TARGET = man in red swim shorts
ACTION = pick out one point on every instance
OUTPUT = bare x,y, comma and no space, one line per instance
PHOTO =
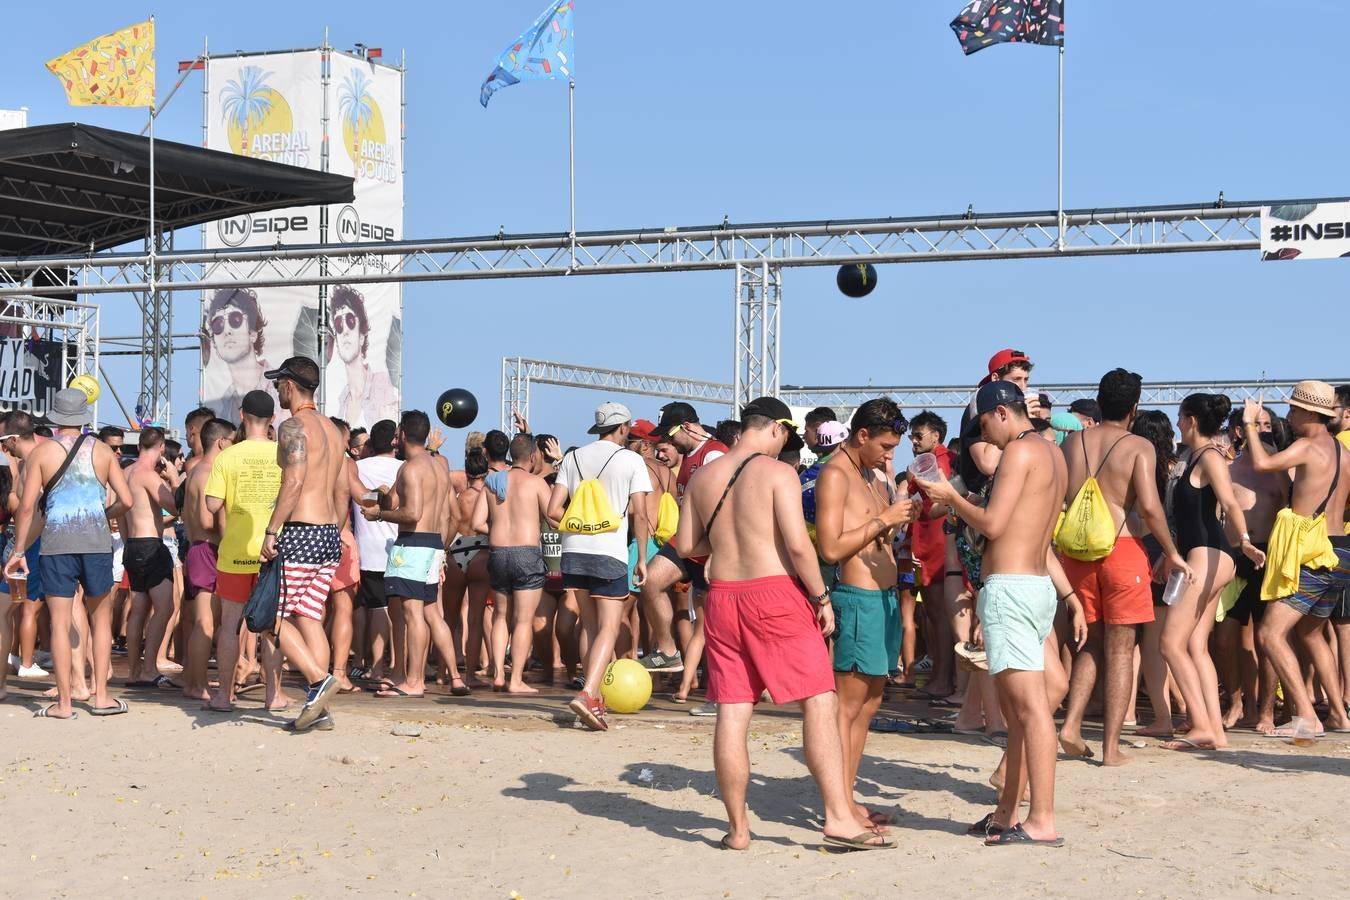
1115,591
761,630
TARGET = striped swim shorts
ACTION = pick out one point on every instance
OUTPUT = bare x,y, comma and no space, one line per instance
309,558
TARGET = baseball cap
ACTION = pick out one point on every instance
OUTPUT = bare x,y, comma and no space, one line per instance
298,369
259,404
1063,423
609,416
674,415
643,430
831,434
995,394
1003,358
773,408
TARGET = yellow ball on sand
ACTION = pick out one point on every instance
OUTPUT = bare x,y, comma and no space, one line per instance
626,686
88,384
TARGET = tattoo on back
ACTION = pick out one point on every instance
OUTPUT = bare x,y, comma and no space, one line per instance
291,439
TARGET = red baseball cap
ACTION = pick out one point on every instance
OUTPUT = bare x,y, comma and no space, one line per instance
1003,358
643,430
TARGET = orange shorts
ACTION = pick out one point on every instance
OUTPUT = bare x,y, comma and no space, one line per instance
235,586
348,573
1116,590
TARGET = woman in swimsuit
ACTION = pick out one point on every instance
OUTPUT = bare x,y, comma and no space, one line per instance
1202,488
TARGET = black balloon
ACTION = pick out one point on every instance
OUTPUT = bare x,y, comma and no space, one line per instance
457,408
856,280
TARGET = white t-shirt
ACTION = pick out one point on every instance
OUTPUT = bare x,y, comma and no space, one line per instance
373,539
621,476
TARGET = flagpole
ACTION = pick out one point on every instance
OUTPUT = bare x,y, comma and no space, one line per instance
1059,219
572,169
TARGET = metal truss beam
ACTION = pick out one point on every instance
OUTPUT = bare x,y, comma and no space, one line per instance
969,236
518,373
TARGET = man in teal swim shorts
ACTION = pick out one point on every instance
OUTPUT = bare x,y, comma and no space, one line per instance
857,510
1017,604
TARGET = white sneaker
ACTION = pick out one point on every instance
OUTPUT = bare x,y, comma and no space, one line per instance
14,661
33,671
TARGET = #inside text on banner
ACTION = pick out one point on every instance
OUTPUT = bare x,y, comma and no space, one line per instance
1305,231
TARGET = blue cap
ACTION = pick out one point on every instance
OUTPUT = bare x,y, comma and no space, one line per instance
995,394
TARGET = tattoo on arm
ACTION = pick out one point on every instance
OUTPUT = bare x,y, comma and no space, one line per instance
291,444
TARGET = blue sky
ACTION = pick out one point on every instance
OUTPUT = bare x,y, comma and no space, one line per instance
796,110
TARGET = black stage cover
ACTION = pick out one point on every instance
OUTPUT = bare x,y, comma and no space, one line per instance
67,189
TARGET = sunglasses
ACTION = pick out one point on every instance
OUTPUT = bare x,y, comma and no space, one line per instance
348,319
235,320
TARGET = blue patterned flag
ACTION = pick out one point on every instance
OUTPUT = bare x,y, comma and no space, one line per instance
542,52
985,22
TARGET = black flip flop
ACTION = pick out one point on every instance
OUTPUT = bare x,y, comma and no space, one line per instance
1017,836
462,691
984,828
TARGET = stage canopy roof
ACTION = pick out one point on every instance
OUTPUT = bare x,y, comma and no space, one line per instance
67,189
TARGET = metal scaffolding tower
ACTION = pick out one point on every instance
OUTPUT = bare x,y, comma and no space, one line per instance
755,252
519,373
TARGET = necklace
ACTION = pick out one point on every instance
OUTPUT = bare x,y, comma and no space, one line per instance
302,407
872,489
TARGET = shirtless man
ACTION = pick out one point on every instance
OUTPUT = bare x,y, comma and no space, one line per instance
303,530
76,543
516,563
149,564
1261,495
1115,591
417,504
204,529
857,512
1017,603
744,512
1306,573
192,425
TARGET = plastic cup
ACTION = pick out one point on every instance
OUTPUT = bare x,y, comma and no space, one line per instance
925,468
1304,735
1176,583
370,499
18,587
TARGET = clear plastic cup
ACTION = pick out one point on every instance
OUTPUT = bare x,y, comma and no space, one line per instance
18,586
925,468
1176,584
1304,734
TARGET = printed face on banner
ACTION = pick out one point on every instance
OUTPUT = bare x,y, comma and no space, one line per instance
364,340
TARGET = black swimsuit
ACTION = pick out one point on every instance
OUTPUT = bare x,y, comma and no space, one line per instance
1194,511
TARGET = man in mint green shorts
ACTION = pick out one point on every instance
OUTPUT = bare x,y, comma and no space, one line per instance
1017,604
857,511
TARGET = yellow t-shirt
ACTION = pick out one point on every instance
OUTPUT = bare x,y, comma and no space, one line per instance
1344,437
246,476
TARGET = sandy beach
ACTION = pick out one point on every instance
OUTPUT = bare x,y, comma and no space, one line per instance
500,794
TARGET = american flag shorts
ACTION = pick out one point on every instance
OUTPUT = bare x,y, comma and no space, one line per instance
309,558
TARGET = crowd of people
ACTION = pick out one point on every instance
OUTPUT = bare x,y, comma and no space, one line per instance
1036,561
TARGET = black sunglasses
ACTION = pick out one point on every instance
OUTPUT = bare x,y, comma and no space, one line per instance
235,319
349,319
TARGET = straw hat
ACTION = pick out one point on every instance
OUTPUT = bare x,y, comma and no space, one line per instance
1314,396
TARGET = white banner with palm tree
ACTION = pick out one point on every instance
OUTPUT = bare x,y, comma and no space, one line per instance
364,350
265,106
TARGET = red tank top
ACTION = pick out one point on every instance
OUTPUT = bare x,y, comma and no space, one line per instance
694,461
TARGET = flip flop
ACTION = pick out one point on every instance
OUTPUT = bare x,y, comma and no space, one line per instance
349,690
140,684
675,699
725,844
117,710
46,713
1017,836
985,827
860,842
941,703
392,692
461,691
887,725
163,681
1182,745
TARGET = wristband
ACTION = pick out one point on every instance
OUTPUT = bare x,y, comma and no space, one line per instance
269,532
1067,596
823,599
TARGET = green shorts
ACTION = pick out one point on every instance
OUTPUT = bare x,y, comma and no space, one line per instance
866,630
632,562
1017,613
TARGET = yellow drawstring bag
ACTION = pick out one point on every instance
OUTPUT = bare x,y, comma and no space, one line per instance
1088,533
589,511
1295,541
667,519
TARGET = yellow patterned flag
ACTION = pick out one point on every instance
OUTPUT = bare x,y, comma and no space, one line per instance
116,69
